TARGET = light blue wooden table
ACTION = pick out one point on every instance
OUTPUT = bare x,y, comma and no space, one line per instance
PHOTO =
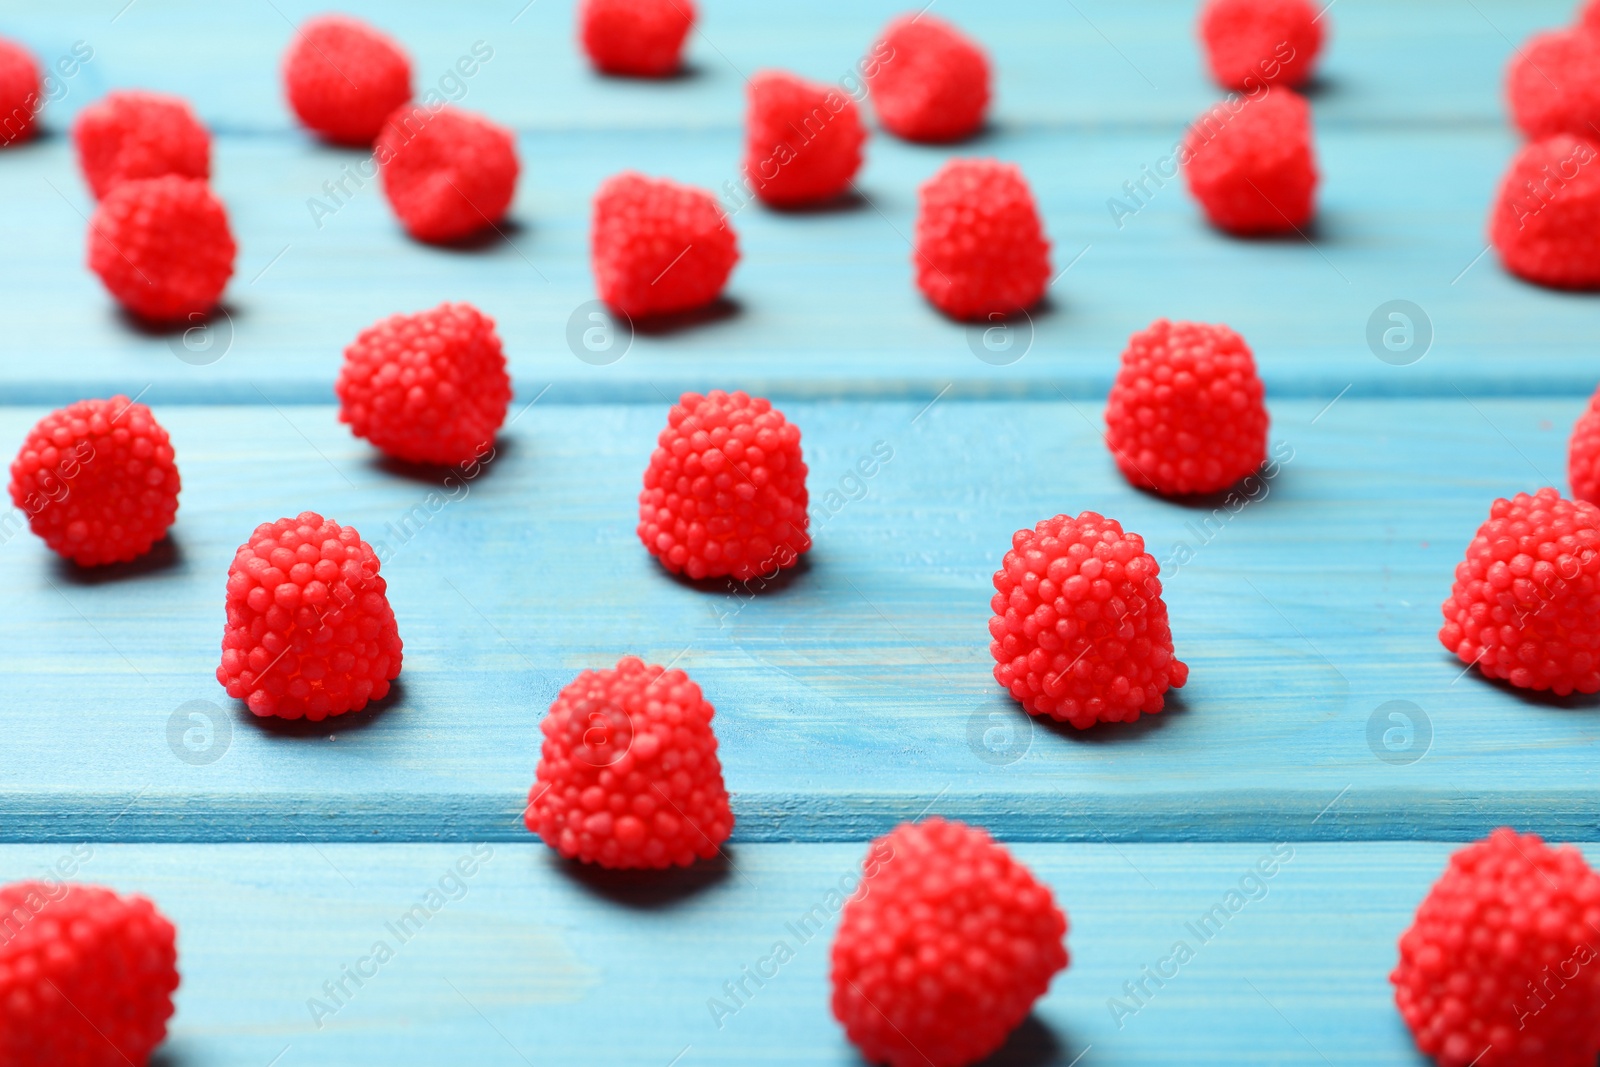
857,693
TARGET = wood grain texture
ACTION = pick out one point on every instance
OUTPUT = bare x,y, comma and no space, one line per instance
530,961
823,304
850,694
856,692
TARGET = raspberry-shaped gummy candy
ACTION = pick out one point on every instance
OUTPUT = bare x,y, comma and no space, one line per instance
929,81
658,247
1186,414
86,976
725,492
1553,84
98,481
628,773
944,948
20,93
447,173
427,388
310,632
344,78
1583,454
639,37
162,247
1546,219
1523,606
1080,630
1249,163
802,141
1251,43
134,134
1501,966
980,249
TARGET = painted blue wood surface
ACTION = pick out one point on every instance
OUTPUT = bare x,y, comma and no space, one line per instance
823,304
852,693
856,693
1088,64
535,963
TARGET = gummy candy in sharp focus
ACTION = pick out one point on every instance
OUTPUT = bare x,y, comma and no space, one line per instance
628,773
1522,606
310,632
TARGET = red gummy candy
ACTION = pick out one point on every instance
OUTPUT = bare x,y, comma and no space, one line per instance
1186,413
929,81
643,38
1583,454
86,976
447,173
1499,968
133,134
659,247
944,948
1080,630
628,773
1250,43
1546,219
310,632
20,93
98,481
1249,163
162,247
725,492
427,388
803,139
1553,84
344,78
980,250
1522,606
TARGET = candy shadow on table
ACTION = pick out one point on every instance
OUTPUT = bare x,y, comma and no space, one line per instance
225,314
491,236
844,204
1322,231
757,586
1027,320
43,136
722,309
646,890
1320,86
1245,493
1116,733
165,555
434,475
1032,1044
989,132
1556,292
688,70
1576,702
349,722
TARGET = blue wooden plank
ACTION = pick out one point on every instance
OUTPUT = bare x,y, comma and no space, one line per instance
822,304
1089,64
530,961
853,693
